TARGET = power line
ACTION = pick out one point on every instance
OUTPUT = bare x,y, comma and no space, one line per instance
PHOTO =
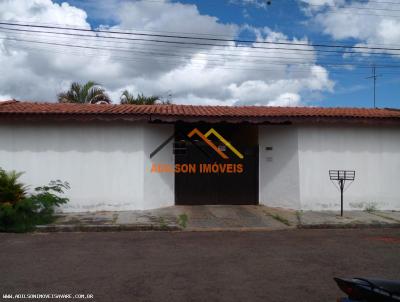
180,37
272,62
250,3
164,41
335,9
227,53
51,35
352,7
347,64
382,2
337,12
173,62
22,22
140,58
290,69
141,29
202,43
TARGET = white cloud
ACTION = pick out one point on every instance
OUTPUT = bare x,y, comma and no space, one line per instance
44,11
320,4
4,98
191,74
286,99
369,22
256,3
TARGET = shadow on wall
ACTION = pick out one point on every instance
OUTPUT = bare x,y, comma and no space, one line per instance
102,162
65,137
158,187
342,139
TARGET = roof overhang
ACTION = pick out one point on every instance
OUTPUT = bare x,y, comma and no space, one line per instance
55,112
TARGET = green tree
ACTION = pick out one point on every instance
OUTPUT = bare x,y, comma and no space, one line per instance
141,99
89,93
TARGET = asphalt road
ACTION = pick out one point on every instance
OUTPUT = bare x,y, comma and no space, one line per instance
295,265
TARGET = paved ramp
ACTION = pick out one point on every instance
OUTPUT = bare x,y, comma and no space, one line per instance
192,218
229,217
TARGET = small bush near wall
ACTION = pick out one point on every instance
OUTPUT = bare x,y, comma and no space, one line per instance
20,211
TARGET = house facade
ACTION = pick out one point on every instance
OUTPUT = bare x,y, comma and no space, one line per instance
127,157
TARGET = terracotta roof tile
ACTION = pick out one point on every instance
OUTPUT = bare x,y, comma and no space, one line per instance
171,113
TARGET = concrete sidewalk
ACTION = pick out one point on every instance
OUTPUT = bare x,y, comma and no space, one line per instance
219,218
350,219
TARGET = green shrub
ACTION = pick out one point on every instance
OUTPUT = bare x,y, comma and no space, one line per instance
20,212
11,190
18,217
46,199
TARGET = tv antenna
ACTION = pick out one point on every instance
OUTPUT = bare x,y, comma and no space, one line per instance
341,176
374,76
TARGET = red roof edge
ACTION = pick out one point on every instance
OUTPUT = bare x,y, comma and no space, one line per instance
8,102
24,111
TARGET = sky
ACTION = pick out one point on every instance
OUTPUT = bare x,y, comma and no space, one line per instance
37,63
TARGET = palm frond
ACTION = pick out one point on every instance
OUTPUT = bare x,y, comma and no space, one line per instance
89,93
141,99
127,97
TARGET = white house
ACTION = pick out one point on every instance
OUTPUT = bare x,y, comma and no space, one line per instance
127,157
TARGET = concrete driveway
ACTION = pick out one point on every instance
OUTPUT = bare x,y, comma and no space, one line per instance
231,217
190,218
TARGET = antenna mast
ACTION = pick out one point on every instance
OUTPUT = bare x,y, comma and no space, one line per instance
374,76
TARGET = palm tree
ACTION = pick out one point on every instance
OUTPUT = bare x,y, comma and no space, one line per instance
141,99
89,93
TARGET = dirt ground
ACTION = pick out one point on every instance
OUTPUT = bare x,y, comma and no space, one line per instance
288,265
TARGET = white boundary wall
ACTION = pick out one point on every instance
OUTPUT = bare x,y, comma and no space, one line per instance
279,168
106,164
295,173
373,152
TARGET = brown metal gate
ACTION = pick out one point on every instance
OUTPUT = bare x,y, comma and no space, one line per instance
215,188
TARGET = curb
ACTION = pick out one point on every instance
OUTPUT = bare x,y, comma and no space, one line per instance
147,227
350,226
237,229
103,228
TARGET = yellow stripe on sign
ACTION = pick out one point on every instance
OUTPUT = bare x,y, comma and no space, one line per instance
222,139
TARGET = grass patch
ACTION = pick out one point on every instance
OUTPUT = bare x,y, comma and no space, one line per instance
298,216
183,220
162,222
281,219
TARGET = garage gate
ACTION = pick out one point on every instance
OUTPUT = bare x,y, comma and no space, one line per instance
210,178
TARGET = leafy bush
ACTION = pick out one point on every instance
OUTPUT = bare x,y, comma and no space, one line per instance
46,199
11,190
20,212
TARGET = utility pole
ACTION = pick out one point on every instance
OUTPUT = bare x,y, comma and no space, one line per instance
374,76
